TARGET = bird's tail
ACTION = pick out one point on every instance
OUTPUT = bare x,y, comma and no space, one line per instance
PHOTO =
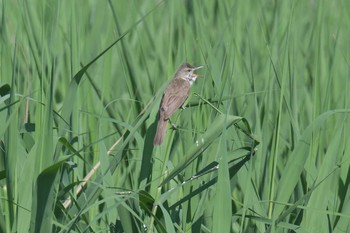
161,130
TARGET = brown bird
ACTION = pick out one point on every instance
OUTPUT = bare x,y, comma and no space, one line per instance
174,96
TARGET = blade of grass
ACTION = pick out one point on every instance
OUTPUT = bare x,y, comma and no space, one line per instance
212,133
222,208
314,220
296,161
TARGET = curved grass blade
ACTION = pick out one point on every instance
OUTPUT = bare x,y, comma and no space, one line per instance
45,198
296,161
72,90
214,131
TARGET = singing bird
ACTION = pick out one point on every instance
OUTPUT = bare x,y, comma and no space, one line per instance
174,96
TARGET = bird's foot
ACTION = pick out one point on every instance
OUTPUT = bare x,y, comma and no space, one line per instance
173,126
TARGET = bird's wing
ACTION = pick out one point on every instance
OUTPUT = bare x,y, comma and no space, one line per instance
173,99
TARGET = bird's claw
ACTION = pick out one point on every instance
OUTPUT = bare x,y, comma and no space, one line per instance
173,126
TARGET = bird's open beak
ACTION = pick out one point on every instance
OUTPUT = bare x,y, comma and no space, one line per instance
196,75
198,67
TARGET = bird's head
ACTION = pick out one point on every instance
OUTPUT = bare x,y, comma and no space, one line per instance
186,72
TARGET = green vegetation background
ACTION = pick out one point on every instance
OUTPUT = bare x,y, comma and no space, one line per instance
262,145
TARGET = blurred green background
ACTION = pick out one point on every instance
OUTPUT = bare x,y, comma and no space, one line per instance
262,145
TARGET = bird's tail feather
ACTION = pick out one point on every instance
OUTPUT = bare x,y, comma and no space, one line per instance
161,130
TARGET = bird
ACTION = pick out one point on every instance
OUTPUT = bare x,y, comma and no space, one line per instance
173,97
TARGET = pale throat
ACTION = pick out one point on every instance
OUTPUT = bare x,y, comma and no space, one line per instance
191,78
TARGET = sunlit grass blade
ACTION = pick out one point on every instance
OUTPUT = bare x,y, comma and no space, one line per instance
11,156
320,198
296,162
168,221
44,198
212,134
222,207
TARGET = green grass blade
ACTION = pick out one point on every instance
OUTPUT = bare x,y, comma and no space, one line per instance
222,207
319,200
296,162
44,199
213,132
